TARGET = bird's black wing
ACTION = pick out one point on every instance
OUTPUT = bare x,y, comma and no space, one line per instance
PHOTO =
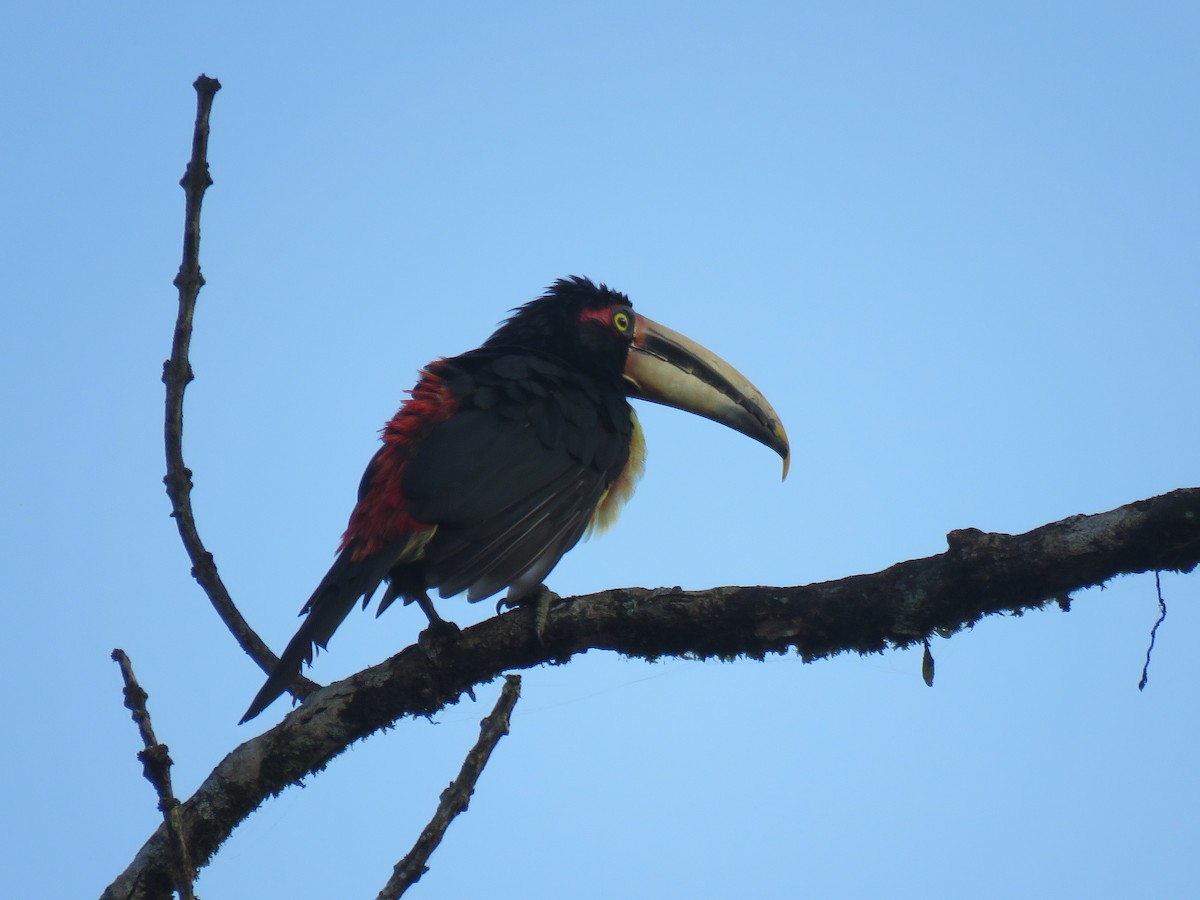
512,479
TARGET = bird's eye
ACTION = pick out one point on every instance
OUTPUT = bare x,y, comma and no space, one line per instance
622,320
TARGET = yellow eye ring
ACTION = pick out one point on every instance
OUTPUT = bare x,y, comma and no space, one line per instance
622,320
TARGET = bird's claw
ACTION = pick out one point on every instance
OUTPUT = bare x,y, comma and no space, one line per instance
434,634
539,603
438,627
541,611
441,629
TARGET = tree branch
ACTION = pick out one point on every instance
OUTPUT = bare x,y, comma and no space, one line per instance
981,574
455,798
177,373
156,766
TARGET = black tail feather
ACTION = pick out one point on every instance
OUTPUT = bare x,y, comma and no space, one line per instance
346,581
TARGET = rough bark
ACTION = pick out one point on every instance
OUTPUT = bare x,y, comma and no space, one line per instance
980,574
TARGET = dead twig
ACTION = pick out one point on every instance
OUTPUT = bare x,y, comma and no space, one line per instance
156,766
1162,616
177,373
455,798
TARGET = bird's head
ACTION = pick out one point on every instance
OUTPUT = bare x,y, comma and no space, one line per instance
595,329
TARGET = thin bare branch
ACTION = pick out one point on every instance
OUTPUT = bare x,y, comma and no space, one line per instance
177,374
980,575
1162,617
156,766
455,798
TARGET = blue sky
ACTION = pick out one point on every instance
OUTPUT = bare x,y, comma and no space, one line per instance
955,245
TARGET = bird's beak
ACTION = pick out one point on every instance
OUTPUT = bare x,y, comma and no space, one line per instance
668,368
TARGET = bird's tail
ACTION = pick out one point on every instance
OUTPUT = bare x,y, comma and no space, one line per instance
346,581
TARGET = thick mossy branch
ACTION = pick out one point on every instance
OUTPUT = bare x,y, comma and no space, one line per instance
981,574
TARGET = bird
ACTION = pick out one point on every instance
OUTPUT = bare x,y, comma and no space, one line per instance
502,458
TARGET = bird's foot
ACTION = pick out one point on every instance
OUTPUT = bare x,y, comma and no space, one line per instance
438,629
433,638
539,603
541,611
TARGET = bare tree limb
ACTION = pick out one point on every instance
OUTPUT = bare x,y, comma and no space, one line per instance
455,798
980,574
177,374
156,766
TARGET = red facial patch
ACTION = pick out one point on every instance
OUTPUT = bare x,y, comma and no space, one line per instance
603,315
617,318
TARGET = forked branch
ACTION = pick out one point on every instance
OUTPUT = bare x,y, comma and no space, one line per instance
980,575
